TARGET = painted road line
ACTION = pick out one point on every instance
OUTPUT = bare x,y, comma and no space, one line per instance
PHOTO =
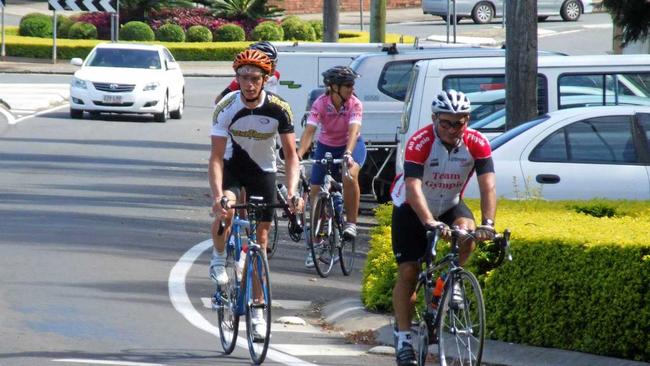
10,118
106,362
38,114
321,349
181,302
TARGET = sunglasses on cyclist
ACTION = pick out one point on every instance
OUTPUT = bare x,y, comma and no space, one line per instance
348,85
452,124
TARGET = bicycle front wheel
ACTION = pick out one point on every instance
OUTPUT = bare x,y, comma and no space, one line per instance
225,304
347,252
272,244
320,244
461,329
258,325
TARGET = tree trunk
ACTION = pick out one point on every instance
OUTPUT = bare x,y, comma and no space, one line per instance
331,21
377,21
521,61
617,38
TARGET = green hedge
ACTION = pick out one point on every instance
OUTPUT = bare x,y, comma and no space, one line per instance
577,281
170,33
34,47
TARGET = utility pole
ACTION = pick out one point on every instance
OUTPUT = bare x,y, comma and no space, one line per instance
521,62
377,21
331,21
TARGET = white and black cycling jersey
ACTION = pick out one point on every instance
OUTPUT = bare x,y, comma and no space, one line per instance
251,133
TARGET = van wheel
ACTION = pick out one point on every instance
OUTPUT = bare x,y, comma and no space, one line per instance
483,13
571,11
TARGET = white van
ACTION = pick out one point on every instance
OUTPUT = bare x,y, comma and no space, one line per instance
563,82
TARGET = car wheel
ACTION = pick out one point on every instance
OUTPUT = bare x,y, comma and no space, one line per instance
541,19
571,11
482,13
162,117
76,113
178,114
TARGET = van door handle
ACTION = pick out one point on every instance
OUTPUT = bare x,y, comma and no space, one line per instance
547,178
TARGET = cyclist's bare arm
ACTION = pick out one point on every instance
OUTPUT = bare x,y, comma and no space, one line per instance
353,132
215,172
306,139
418,202
292,166
487,187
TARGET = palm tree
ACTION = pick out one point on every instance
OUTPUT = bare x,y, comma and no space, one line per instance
245,9
632,15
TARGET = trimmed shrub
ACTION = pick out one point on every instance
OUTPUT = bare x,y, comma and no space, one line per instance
317,26
101,20
199,33
229,33
82,30
35,26
136,31
63,25
298,30
170,33
35,15
267,31
291,18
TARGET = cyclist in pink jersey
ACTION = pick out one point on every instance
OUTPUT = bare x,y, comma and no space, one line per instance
338,113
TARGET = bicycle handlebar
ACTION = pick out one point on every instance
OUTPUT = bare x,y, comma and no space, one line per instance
502,240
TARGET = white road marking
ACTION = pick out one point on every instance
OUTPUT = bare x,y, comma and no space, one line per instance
599,26
38,114
560,33
106,362
321,350
10,118
182,304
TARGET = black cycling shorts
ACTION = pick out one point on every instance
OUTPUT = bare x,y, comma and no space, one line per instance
261,184
408,234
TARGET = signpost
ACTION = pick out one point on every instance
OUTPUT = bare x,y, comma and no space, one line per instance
110,6
2,7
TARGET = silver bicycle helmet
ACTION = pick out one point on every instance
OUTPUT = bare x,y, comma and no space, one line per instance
266,47
451,101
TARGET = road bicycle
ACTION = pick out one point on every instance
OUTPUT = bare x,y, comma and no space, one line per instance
295,221
237,297
455,321
325,238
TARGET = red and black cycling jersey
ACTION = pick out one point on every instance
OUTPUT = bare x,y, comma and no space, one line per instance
444,171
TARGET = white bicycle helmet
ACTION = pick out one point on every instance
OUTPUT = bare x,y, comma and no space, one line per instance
451,101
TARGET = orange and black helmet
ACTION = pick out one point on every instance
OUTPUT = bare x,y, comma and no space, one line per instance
254,58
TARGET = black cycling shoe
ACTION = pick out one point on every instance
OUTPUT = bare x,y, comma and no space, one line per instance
406,356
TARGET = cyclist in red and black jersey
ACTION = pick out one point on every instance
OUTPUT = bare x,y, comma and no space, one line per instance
439,159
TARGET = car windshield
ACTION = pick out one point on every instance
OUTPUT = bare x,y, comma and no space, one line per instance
496,120
129,58
509,135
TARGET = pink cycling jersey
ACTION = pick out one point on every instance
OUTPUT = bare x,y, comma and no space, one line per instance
334,124
445,173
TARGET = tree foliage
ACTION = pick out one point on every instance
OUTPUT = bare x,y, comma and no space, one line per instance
139,9
245,9
632,15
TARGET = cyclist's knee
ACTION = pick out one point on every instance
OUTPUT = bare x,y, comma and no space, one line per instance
408,272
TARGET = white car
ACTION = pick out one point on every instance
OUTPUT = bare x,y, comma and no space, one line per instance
576,153
128,78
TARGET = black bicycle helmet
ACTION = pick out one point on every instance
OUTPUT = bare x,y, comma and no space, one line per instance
338,75
268,48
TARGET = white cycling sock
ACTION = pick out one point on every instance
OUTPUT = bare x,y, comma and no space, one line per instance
402,338
218,258
258,314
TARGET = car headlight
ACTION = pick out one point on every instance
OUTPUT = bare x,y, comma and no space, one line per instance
79,83
151,86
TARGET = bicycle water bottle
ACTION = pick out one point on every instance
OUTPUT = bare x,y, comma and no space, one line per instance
283,193
337,198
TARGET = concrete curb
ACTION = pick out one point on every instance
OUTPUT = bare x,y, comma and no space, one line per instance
350,315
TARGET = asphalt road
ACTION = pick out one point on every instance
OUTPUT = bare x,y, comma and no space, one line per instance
95,215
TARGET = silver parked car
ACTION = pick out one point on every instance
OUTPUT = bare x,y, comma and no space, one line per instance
483,11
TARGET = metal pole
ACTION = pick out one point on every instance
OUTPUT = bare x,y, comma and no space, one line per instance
448,18
112,27
117,23
503,20
361,15
455,20
54,38
3,53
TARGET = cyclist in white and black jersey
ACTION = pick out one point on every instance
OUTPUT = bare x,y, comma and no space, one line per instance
245,125
439,159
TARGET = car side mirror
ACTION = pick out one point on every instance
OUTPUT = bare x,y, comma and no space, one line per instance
76,61
171,65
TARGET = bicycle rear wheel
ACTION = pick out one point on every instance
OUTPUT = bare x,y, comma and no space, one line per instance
258,277
461,329
272,244
320,244
225,304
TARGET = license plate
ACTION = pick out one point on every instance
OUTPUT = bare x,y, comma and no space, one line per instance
113,99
